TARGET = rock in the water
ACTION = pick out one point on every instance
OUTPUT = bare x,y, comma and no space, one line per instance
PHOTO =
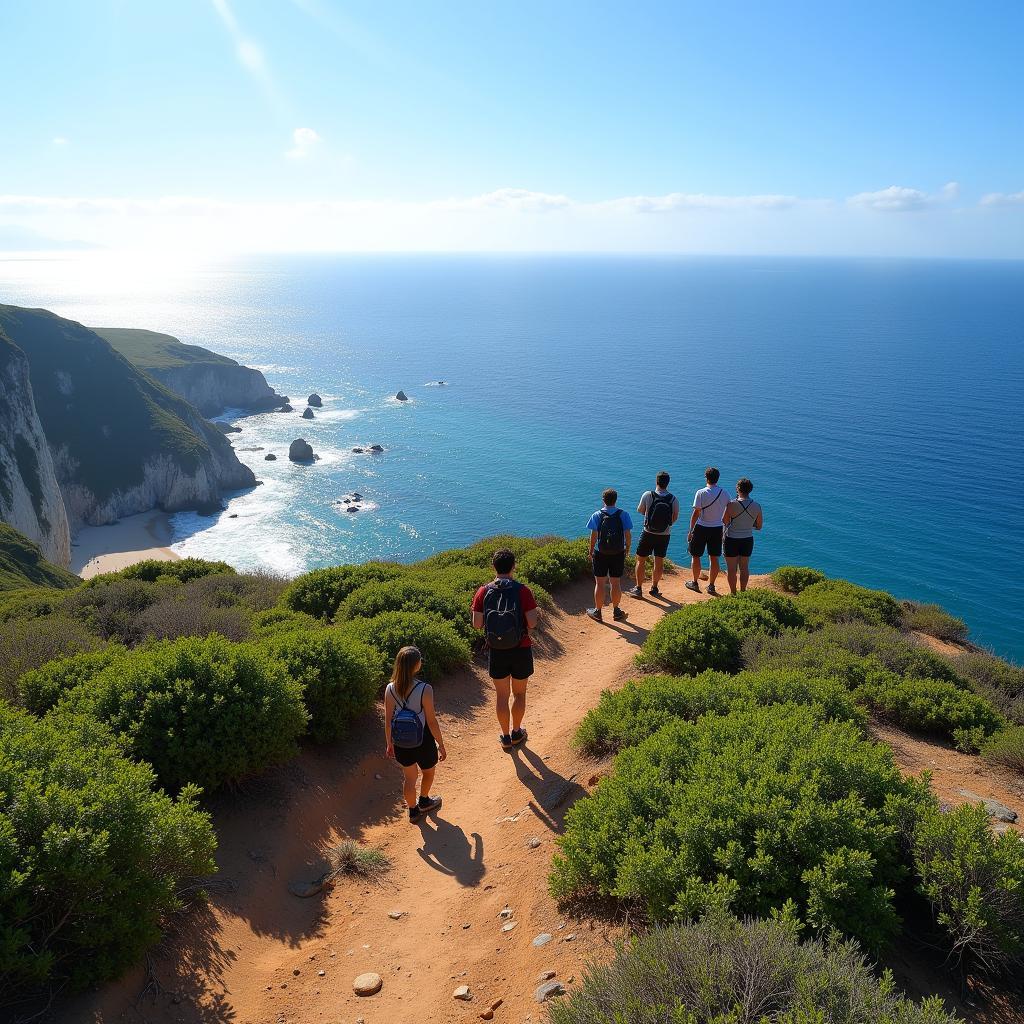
549,990
300,450
286,408
234,515
352,508
358,451
376,448
227,428
402,396
307,414
463,993
315,400
995,808
368,984
270,458
356,496
543,939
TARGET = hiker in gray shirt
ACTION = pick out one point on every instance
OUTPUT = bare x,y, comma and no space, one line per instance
742,517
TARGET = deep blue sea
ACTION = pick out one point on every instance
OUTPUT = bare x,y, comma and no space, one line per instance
876,404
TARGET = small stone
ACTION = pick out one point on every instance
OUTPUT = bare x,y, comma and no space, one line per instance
463,993
543,939
368,984
545,976
396,915
296,972
533,842
510,926
487,1015
304,890
465,926
505,913
569,937
549,990
322,973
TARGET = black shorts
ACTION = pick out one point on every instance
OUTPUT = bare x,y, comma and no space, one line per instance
709,537
425,755
517,663
653,544
609,565
739,547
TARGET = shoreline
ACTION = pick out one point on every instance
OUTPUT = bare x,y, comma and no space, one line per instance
99,549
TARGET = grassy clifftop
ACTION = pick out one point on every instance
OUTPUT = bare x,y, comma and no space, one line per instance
22,564
150,350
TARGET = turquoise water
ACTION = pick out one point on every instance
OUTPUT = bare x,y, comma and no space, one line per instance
876,404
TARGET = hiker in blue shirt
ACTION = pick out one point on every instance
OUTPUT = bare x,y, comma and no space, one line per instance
611,533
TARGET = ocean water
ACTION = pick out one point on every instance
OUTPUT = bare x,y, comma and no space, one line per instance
876,404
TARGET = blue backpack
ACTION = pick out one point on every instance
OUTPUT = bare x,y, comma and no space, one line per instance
406,724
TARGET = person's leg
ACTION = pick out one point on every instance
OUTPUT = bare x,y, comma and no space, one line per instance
714,550
713,571
659,563
409,784
427,781
502,689
730,561
518,702
695,567
744,571
599,582
641,570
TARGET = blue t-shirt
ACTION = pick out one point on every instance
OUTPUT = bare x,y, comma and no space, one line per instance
595,523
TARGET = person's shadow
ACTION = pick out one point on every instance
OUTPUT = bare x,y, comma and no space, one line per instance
552,794
446,849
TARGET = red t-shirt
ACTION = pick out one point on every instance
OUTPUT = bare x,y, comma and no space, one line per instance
526,601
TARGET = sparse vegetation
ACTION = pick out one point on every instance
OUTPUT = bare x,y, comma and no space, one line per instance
351,858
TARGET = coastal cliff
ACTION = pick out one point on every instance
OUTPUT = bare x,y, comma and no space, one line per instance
120,441
30,497
210,382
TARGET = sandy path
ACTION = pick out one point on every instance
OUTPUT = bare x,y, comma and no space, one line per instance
256,954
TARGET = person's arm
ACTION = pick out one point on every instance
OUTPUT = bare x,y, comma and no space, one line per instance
532,617
629,540
431,716
478,615
642,507
759,522
593,541
727,514
675,511
389,711
693,521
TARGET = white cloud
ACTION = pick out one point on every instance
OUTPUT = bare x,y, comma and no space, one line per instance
899,199
59,140
304,141
680,201
510,199
1002,199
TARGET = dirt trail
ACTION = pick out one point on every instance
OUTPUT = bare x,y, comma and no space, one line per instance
256,955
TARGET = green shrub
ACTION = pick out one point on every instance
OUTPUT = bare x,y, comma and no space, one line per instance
177,616
796,578
27,644
928,705
781,608
727,971
748,810
974,882
112,608
555,565
407,595
481,553
997,679
30,603
442,647
935,621
43,688
690,641
841,601
90,856
626,717
338,675
151,570
204,711
1005,747
318,593
281,620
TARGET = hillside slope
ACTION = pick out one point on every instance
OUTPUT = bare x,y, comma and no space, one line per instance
30,498
22,564
211,382
121,442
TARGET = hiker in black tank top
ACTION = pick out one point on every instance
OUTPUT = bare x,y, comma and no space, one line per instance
742,517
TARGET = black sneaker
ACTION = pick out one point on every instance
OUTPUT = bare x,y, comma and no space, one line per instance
429,804
415,814
711,590
518,737
638,592
595,614
695,587
505,741
619,615
655,592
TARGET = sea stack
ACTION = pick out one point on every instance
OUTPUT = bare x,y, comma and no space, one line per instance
307,413
286,408
402,396
315,400
300,450
270,457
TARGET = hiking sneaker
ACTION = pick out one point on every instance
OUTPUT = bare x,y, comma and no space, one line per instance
695,587
655,592
619,615
711,590
636,592
428,804
518,737
415,814
505,741
595,614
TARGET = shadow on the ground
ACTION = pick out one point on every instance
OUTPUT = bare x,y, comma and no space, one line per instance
447,849
551,794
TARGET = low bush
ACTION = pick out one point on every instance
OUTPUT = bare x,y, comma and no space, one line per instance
928,705
1005,747
727,971
182,570
178,616
442,647
318,593
691,641
91,857
997,679
338,675
974,882
555,565
781,608
796,578
407,595
30,603
26,645
112,609
204,711
935,621
626,717
748,810
841,601
481,553
281,620
42,689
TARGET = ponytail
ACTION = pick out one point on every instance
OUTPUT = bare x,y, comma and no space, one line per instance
403,675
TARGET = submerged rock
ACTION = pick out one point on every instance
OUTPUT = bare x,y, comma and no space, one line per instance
358,451
315,400
376,448
271,457
300,450
402,396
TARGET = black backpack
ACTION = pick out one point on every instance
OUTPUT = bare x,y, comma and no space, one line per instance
659,512
503,615
611,537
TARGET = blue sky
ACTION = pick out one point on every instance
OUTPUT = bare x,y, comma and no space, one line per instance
889,128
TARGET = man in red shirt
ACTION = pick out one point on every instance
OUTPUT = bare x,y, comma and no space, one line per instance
506,611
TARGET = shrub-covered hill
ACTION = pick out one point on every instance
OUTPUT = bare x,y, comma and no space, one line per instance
211,382
22,564
121,442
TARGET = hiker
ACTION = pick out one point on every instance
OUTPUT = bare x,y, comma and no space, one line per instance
660,510
742,517
706,526
610,537
506,611
412,731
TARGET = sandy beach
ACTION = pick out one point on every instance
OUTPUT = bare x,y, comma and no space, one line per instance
99,549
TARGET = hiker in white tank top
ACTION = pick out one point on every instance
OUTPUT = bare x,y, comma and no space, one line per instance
742,517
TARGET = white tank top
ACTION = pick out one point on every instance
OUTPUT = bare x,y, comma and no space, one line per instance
414,701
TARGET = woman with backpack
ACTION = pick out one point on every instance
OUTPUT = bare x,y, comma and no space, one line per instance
742,517
412,731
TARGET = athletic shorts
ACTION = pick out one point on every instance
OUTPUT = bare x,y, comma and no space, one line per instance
653,544
517,663
709,537
425,755
609,565
739,547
